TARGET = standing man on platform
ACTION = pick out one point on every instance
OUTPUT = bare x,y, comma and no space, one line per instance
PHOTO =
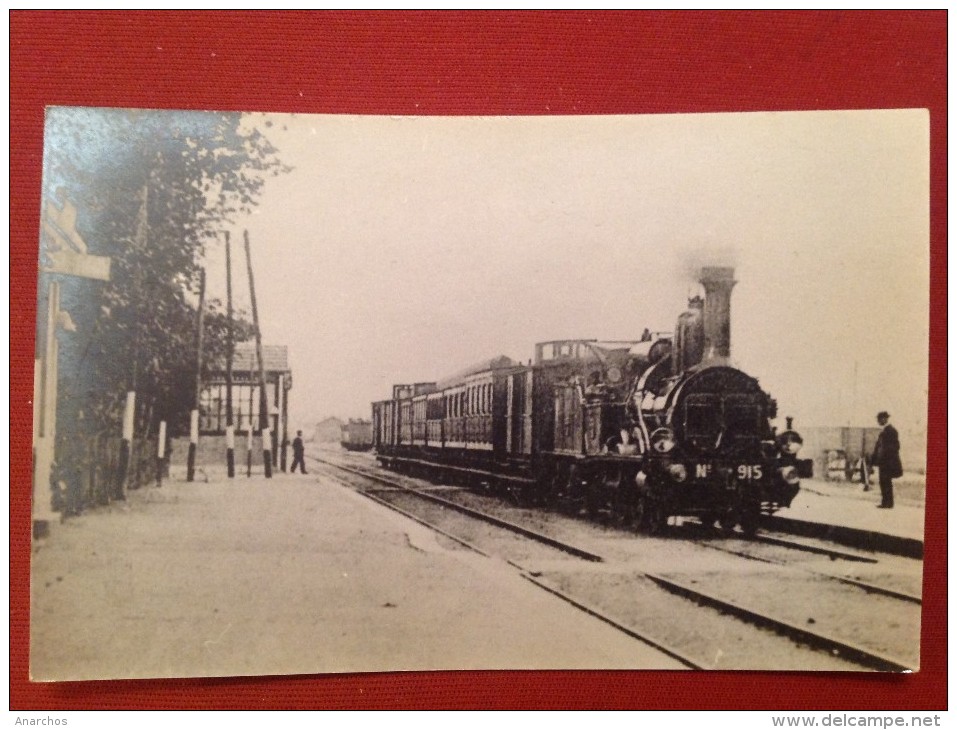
298,453
887,458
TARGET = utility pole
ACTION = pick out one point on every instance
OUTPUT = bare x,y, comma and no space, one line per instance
230,430
263,399
194,415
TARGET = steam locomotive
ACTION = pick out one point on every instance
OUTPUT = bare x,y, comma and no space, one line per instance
649,429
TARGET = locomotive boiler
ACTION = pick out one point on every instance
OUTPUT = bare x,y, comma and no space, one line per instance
646,430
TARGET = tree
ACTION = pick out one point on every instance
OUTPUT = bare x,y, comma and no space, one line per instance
153,189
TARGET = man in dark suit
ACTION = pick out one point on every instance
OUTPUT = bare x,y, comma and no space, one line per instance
298,452
887,458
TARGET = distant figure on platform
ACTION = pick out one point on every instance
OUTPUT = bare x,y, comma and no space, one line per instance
298,452
887,459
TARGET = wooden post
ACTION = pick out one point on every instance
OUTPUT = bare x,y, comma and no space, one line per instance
249,447
263,398
194,415
283,434
129,413
160,453
230,429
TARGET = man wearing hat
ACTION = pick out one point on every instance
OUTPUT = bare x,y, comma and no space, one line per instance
887,458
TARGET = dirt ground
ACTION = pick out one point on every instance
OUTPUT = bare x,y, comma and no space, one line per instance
291,575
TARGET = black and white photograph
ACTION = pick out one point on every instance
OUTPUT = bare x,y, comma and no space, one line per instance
324,394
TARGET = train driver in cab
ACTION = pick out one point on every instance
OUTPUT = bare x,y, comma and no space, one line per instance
621,443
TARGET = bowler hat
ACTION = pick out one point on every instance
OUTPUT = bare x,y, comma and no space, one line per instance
883,414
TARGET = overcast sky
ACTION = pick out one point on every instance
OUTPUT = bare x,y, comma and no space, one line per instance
404,249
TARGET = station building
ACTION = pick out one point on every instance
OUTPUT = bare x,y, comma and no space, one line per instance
246,406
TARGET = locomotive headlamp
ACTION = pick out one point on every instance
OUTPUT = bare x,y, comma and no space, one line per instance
792,445
789,475
662,440
678,472
790,442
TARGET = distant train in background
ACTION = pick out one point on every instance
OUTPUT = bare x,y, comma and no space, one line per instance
644,429
356,435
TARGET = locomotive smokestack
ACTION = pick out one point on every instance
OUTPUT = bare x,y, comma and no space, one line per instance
717,282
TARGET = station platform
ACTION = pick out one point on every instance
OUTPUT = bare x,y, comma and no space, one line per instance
844,512
299,575
289,575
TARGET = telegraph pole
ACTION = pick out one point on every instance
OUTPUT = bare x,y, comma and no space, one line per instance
230,430
194,415
263,399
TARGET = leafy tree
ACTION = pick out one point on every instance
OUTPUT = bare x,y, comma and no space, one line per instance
152,189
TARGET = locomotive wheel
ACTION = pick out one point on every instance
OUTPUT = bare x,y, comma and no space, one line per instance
556,491
750,519
728,520
519,494
593,498
624,508
572,492
652,517
641,514
541,491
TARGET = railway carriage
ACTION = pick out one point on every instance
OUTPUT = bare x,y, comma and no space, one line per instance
356,435
644,429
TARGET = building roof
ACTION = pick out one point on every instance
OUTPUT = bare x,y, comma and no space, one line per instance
275,357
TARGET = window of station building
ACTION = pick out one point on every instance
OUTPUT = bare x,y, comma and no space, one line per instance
212,407
246,406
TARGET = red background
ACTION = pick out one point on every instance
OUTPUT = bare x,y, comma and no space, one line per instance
486,63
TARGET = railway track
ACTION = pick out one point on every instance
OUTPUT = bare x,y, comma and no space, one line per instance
393,489
601,583
864,585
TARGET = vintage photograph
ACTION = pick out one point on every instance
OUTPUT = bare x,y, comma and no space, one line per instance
335,394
